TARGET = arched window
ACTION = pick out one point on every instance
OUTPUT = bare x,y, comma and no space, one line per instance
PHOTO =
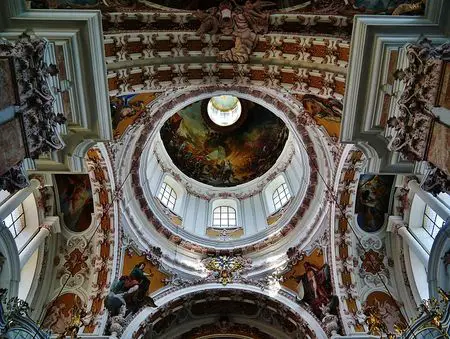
224,216
277,194
281,196
16,221
167,196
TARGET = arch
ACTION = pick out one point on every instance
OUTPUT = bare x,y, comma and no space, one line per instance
164,299
437,269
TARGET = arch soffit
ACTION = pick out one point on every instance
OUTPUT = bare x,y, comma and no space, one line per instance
145,315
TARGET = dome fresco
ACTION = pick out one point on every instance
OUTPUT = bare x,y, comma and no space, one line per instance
228,158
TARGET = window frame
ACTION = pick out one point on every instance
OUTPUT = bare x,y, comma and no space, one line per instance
11,220
428,218
166,200
281,196
227,211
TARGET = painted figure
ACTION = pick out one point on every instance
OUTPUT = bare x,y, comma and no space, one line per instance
314,288
75,198
224,159
372,201
328,109
129,293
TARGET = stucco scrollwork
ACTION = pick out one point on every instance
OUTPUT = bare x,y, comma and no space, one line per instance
411,127
40,122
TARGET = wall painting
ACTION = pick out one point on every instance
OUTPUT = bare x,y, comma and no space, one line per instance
385,308
444,88
75,200
61,311
138,280
11,135
372,201
310,279
438,153
9,95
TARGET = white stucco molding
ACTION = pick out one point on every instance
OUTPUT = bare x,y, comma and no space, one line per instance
80,35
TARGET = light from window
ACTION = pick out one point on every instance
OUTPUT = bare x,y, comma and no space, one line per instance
224,216
4,195
432,222
281,196
167,196
224,110
16,221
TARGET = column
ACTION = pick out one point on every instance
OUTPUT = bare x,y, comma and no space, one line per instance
50,224
396,225
434,203
13,202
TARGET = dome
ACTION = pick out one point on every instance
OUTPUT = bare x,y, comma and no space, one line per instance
203,148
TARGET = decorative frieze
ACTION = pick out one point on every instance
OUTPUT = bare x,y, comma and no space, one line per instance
164,77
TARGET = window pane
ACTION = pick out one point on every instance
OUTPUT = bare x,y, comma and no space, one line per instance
8,220
281,196
430,213
432,223
167,196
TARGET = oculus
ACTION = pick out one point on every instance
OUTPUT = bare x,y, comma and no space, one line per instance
224,156
224,110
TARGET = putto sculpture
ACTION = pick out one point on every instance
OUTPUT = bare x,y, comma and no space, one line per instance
243,22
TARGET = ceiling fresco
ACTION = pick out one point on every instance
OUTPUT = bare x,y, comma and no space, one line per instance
224,159
310,279
327,112
126,109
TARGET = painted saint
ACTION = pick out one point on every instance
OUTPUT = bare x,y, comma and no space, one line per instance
314,287
75,200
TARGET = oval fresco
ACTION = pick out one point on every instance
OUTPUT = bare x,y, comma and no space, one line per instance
75,200
372,201
228,158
